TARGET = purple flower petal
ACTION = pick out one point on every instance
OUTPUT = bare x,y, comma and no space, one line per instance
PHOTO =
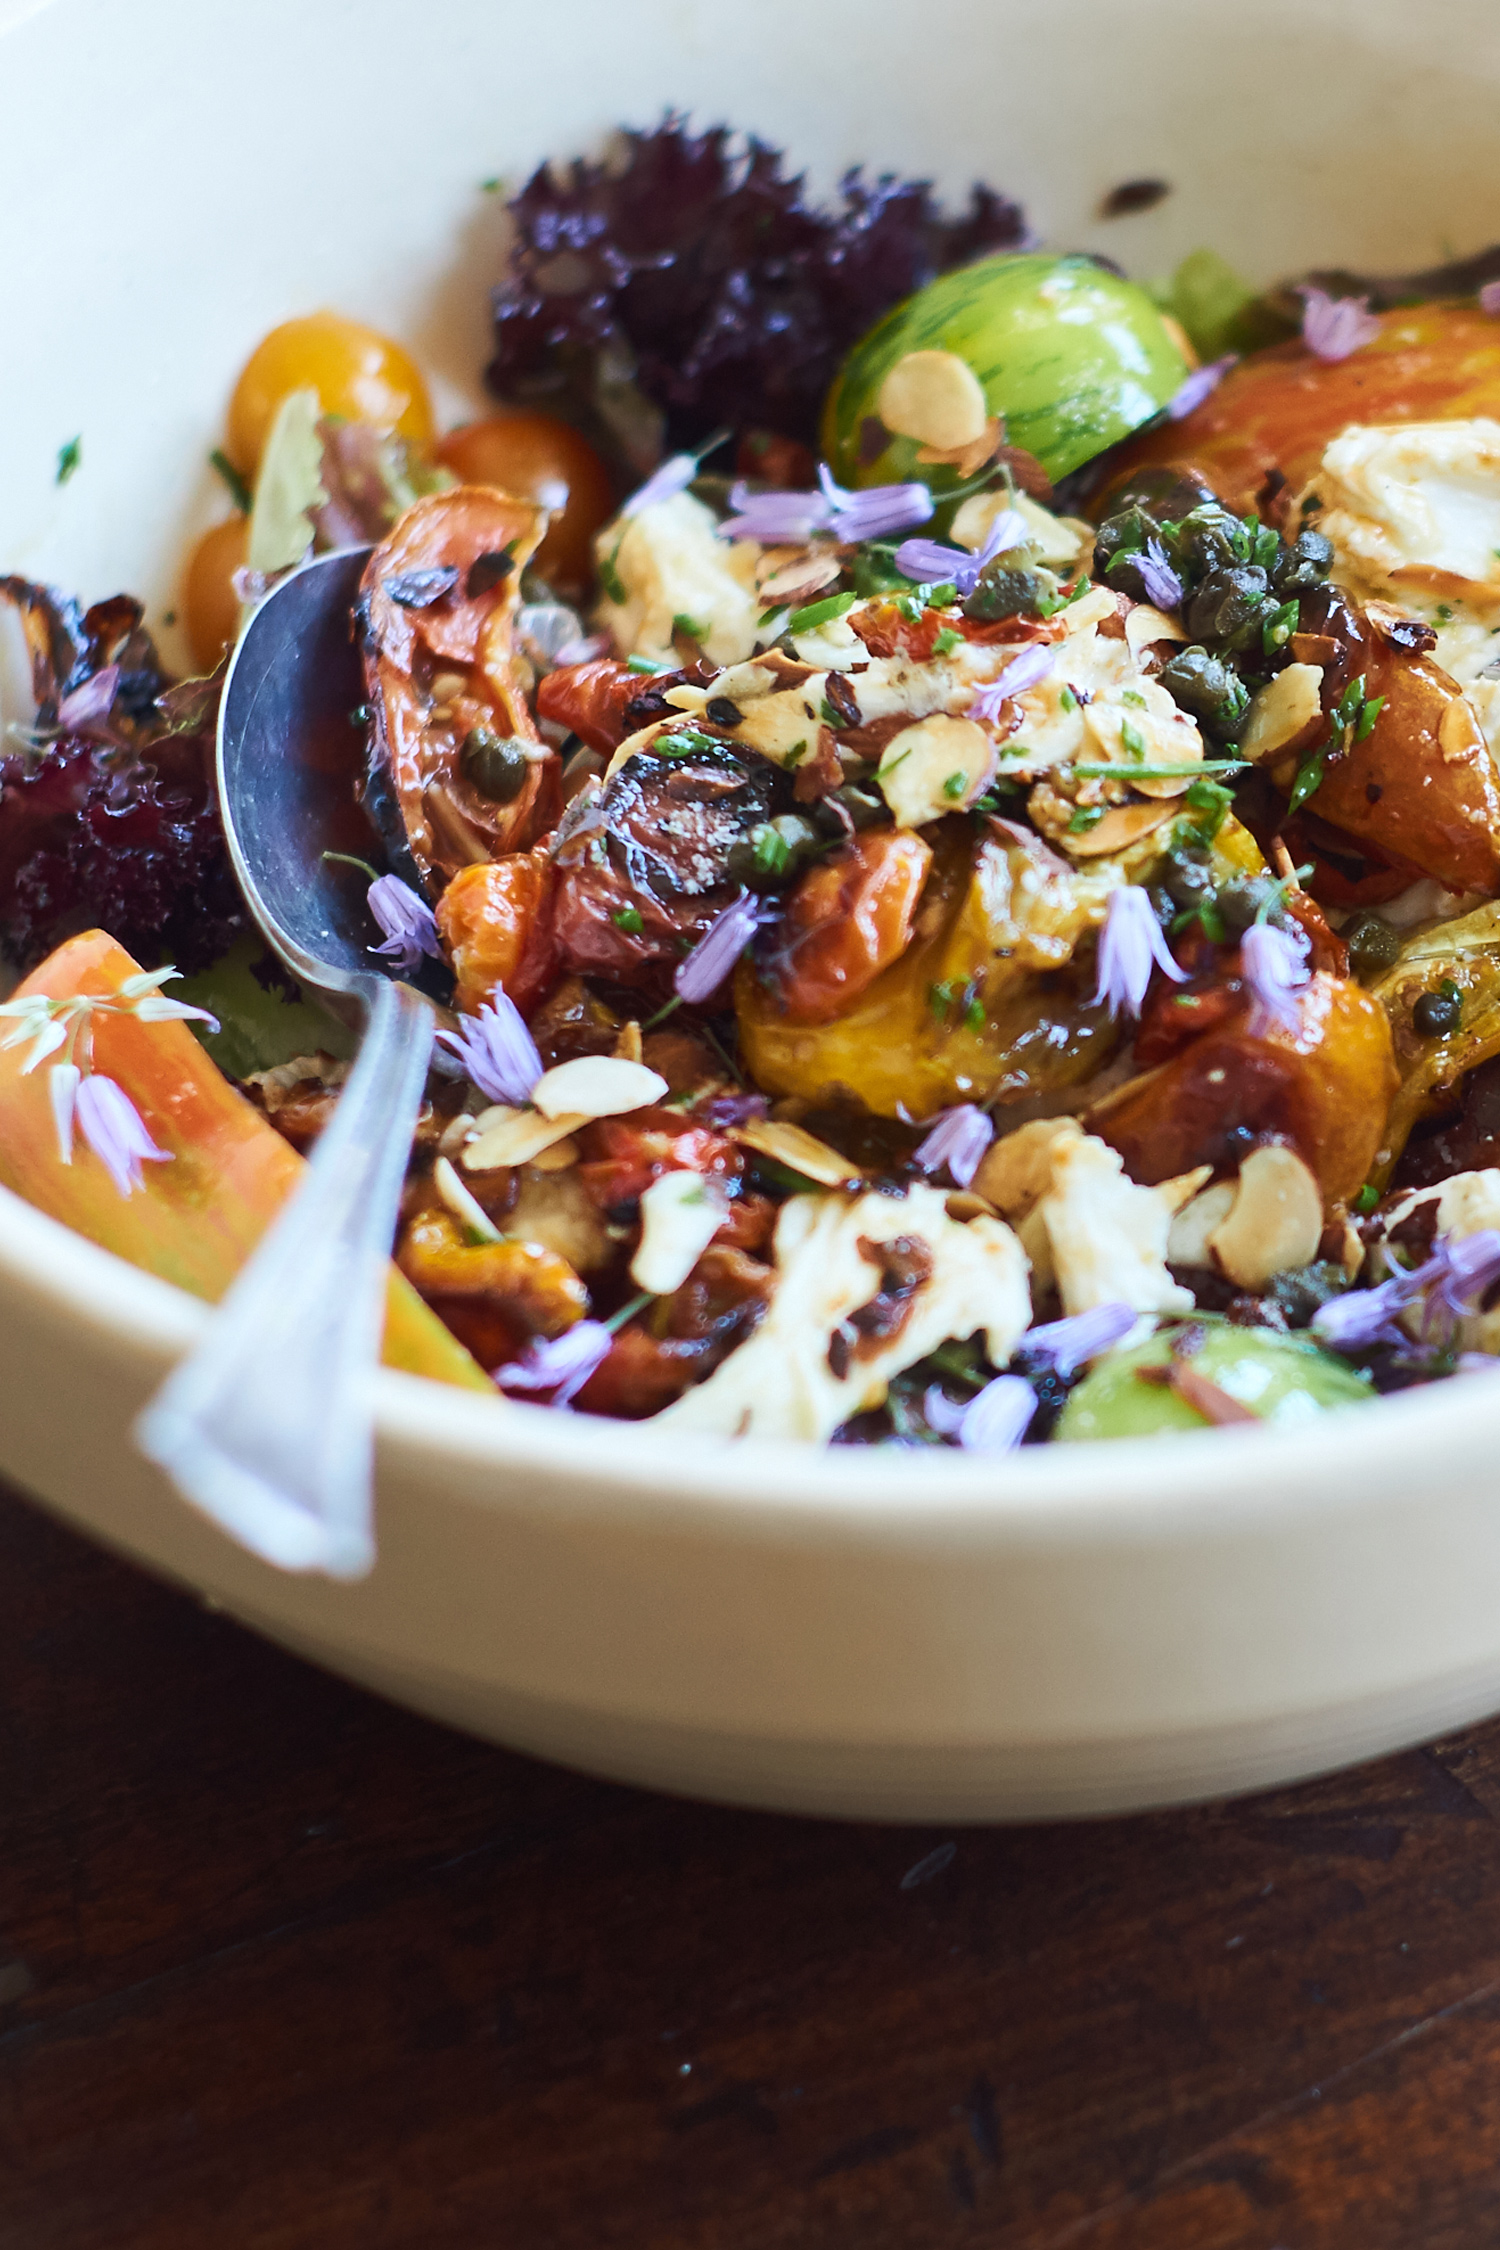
957,1141
776,519
496,1050
674,476
1198,386
410,930
1472,1269
875,512
1066,1344
560,1364
1023,672
998,1419
1131,944
1489,299
928,561
942,1413
1274,965
114,1129
1333,327
93,701
1162,584
725,1110
63,1081
702,971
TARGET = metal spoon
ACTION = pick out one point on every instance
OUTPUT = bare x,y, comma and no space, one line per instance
267,1425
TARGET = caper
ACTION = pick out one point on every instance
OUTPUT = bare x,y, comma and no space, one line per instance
1228,606
1124,533
1188,879
1436,1014
1167,495
1241,900
1373,945
1209,689
495,766
1303,565
864,807
772,852
1208,538
1003,592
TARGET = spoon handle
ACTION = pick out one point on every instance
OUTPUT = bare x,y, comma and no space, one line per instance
268,1424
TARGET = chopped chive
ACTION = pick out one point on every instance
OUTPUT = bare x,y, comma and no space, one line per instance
645,664
1067,700
1369,712
1133,695
68,458
239,491
628,919
947,639
1133,739
820,613
628,1311
609,574
795,756
1309,774
1367,1198
1086,817
689,628
1160,773
974,1017
771,851
955,785
940,999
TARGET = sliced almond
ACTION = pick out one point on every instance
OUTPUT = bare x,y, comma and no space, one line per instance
628,1044
560,1157
1196,1222
936,398
680,1214
967,458
939,765
514,1136
1101,605
796,582
596,1086
1276,1220
685,698
1284,709
1146,625
1121,825
462,1204
798,1151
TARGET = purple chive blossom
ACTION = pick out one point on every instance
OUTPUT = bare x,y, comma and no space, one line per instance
993,1422
561,1365
109,1121
1066,1344
1130,945
1489,299
1274,966
407,921
934,565
703,970
1198,386
91,702
1162,584
674,476
1333,327
957,1140
497,1051
725,1110
1454,1281
1471,1269
791,518
1023,672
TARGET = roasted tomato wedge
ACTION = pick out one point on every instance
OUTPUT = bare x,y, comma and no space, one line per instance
1265,428
847,920
496,922
458,773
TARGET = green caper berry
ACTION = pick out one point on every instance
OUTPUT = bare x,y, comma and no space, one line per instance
497,768
1435,1015
1373,944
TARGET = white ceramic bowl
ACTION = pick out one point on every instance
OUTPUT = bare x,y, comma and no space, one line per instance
1075,1630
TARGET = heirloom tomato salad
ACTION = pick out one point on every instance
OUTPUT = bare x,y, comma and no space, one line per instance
949,794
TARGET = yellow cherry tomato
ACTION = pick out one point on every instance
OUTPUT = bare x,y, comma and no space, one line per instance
210,605
355,372
535,457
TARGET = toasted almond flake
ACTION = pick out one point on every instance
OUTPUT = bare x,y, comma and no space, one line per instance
939,765
514,1136
967,458
1276,1220
799,1151
795,582
1176,1193
1122,824
1146,625
1282,710
680,1214
628,1044
685,698
936,398
596,1086
964,1205
462,1204
456,1133
448,686
1196,1224
560,1157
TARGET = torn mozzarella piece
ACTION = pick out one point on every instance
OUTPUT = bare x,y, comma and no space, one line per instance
1107,1236
810,1366
1412,504
680,1214
670,562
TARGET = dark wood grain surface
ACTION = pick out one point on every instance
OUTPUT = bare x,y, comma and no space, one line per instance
281,1966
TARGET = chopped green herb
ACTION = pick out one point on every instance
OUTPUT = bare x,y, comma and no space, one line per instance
940,999
1265,545
795,756
1443,614
609,574
1367,1198
955,785
828,715
820,613
689,628
1133,739
493,185
946,640
169,617
645,664
628,919
1279,627
628,1311
682,742
1208,918
239,491
778,618
1369,712
1067,700
771,851
1086,817
1309,774
68,458
1163,773
1133,696
974,1018
1211,801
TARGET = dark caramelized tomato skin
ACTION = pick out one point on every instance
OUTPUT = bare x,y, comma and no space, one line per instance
537,458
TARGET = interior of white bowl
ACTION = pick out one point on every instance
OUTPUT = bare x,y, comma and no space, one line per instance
180,176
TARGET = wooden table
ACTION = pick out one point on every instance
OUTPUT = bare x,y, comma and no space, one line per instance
282,1967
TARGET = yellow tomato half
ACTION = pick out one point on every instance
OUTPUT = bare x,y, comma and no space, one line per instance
210,605
355,371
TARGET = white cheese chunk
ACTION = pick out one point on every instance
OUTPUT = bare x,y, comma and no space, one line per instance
1108,1236
782,1382
680,1214
670,562
1413,506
